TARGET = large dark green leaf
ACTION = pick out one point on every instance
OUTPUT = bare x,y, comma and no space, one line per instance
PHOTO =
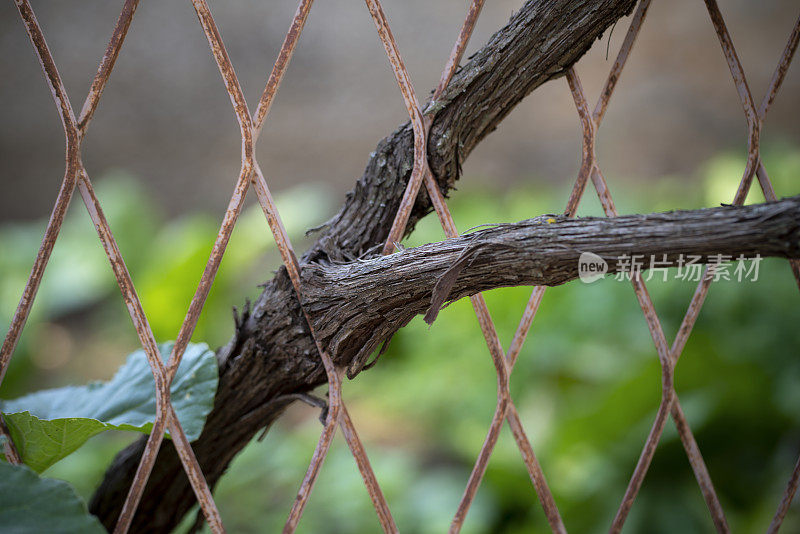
48,425
30,504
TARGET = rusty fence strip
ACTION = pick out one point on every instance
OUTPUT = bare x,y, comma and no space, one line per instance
669,399
249,133
76,173
250,173
420,166
502,366
590,124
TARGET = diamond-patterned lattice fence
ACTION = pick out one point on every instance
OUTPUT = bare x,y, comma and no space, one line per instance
76,176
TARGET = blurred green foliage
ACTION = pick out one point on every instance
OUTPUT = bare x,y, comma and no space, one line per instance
587,383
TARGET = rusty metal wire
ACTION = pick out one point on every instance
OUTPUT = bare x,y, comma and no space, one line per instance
76,175
250,173
668,357
669,400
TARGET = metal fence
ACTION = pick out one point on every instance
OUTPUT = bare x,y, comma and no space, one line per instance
250,174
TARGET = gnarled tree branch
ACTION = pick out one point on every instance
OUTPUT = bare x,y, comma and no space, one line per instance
358,305
271,354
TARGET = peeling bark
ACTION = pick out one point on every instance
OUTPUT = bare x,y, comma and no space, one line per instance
358,305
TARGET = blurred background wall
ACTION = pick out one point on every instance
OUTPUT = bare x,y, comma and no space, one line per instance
166,118
163,151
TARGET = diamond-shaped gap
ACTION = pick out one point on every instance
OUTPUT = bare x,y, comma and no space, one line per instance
584,369
32,145
669,190
284,89
639,312
170,250
675,108
510,162
560,465
604,412
474,485
523,158
337,98
252,254
261,482
425,33
129,294
600,370
518,452
167,108
431,229
78,292
457,380
644,390
506,481
760,34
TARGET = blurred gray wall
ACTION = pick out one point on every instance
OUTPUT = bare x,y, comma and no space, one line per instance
166,117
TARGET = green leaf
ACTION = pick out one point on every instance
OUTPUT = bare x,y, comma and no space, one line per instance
48,425
30,504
